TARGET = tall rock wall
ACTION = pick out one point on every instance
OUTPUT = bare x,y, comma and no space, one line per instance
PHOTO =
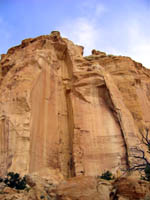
60,110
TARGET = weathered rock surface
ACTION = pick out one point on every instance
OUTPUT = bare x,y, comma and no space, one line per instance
79,188
72,114
130,188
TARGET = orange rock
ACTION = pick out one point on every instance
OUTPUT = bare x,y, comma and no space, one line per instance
73,114
84,188
132,189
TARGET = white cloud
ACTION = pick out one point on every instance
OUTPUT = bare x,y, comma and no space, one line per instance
125,36
141,53
138,43
83,32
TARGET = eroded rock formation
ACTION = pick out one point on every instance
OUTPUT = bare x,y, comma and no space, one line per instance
60,110
78,188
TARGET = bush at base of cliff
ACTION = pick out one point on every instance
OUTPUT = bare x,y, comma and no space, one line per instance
107,176
14,180
147,173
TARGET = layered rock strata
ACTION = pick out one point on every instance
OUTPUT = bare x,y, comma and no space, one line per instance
60,110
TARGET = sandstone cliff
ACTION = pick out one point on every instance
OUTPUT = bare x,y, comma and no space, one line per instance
60,110
78,188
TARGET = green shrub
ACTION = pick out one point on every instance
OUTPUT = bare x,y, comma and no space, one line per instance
14,180
107,176
147,173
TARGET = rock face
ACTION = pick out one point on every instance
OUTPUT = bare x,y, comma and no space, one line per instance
60,110
79,188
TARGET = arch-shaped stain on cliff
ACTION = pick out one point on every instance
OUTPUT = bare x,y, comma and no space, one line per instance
109,102
98,144
125,119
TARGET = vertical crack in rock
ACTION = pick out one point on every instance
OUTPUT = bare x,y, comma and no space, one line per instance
68,88
71,134
126,148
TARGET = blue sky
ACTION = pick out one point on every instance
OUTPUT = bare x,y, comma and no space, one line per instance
120,27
